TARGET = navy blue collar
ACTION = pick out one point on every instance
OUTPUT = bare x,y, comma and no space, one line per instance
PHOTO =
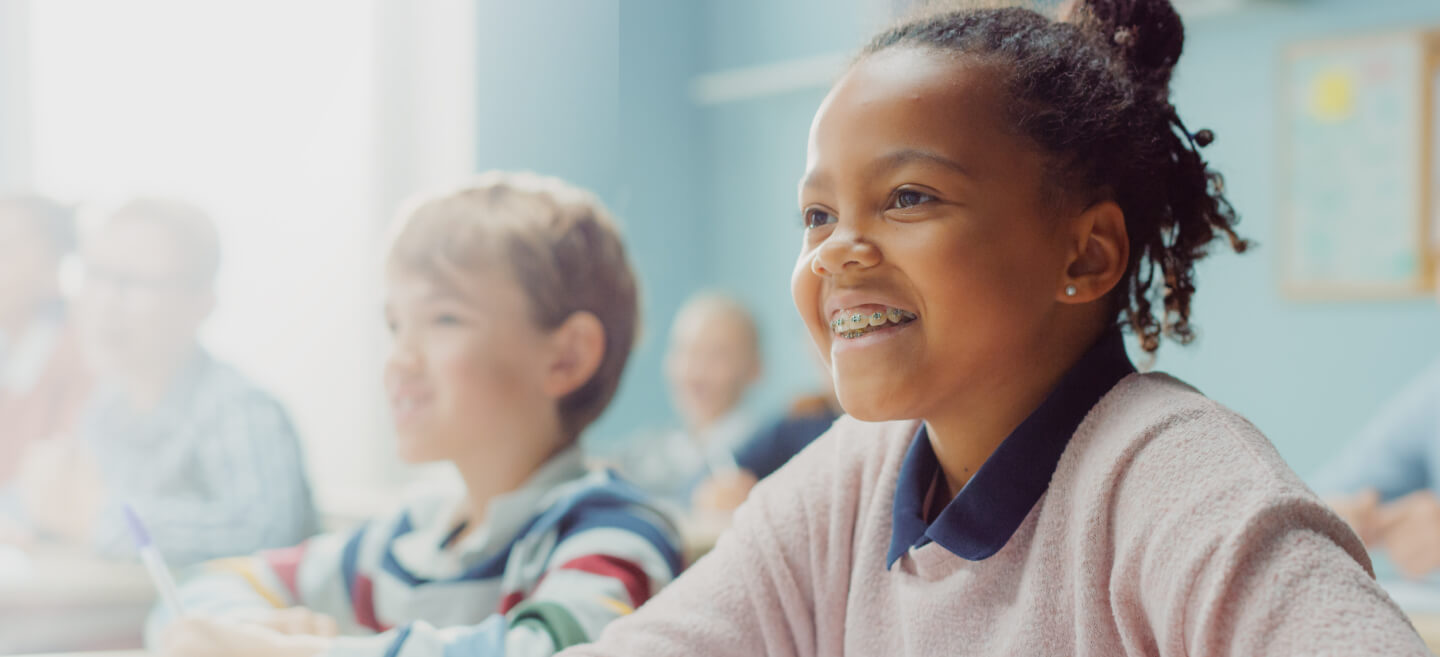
991,506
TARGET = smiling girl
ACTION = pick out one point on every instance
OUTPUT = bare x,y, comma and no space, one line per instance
989,197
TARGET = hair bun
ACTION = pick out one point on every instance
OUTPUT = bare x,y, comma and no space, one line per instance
1147,34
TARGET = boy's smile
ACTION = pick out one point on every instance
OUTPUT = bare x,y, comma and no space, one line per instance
463,375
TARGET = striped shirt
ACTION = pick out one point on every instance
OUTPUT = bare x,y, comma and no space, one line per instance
215,470
554,562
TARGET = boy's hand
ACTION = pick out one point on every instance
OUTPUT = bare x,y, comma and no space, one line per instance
294,621
1360,511
206,637
1409,528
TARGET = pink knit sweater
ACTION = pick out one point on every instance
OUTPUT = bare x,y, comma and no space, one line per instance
1170,527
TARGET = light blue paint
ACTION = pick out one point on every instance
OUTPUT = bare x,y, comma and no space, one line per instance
549,98
594,91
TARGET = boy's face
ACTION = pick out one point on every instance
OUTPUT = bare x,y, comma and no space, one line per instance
465,373
711,362
918,199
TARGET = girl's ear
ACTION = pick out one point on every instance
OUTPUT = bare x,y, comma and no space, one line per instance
1099,254
577,348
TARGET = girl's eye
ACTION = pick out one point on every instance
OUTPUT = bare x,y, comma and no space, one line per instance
817,218
447,319
909,198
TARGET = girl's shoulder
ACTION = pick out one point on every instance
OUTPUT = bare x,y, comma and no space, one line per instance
840,477
1168,465
1161,421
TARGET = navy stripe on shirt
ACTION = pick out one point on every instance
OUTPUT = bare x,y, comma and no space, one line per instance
348,562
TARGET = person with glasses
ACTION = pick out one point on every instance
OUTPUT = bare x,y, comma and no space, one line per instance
210,461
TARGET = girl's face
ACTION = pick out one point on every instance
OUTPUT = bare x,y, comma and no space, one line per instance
465,376
921,205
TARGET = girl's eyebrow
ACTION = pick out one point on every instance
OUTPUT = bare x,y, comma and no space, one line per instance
895,159
899,158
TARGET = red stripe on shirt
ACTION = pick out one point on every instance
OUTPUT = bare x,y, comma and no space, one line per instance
364,603
637,583
510,600
285,563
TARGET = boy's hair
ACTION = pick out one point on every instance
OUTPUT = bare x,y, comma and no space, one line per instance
55,221
1092,88
557,241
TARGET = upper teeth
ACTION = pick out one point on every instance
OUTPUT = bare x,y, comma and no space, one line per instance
851,321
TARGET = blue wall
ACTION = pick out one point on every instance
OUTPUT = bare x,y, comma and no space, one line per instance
594,91
1308,374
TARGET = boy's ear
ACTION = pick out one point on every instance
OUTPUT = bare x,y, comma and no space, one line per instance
1099,254
578,347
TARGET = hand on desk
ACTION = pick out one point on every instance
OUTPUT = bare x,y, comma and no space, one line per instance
209,637
61,489
1409,529
1360,511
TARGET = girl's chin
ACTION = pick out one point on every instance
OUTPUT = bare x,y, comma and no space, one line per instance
868,411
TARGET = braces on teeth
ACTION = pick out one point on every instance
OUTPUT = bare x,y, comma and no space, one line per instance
858,324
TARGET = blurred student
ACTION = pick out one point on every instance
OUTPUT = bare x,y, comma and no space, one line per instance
43,382
713,358
208,460
1385,483
513,309
772,446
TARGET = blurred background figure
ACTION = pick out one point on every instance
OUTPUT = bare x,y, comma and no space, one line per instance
713,358
769,448
42,377
208,460
1385,482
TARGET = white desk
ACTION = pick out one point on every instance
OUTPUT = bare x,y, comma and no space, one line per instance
97,653
56,600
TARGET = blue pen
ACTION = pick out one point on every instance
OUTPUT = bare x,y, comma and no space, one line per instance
150,556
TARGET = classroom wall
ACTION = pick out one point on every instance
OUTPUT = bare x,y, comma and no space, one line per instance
1308,374
593,91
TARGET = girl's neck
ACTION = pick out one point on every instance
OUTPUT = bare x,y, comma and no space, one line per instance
968,431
